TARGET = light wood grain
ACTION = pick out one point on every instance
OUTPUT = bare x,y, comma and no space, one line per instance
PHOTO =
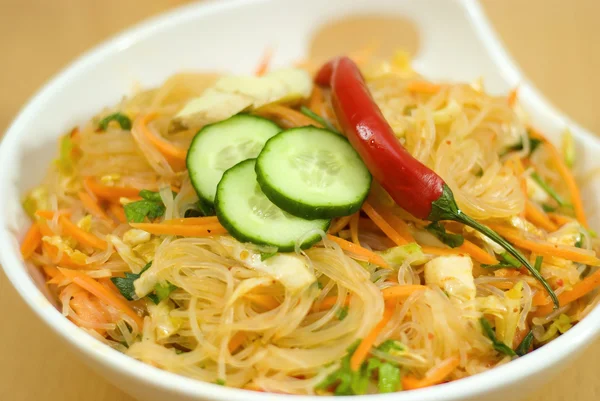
556,43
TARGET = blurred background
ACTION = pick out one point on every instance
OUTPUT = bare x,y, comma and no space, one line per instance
556,43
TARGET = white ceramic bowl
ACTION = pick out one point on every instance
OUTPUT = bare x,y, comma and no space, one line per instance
456,43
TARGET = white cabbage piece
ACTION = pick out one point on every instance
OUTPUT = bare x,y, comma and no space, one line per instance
233,94
453,274
410,253
164,324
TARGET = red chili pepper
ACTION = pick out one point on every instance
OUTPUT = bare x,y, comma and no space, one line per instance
412,185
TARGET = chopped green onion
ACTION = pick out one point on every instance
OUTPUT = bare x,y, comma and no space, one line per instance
311,114
549,190
122,119
342,313
538,263
498,345
525,345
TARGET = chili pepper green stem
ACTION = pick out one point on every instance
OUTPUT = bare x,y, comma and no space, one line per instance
445,208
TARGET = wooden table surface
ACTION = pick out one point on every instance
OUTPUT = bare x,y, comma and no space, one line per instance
556,42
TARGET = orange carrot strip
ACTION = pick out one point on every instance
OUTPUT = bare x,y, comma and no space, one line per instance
175,155
52,251
328,302
110,193
31,241
45,230
560,219
540,299
423,87
512,96
92,206
263,66
537,217
394,221
266,301
433,250
477,253
383,225
118,211
365,345
354,228
51,271
49,214
102,293
71,229
579,290
567,177
193,221
435,375
205,230
548,249
339,224
316,100
401,291
236,341
368,255
286,116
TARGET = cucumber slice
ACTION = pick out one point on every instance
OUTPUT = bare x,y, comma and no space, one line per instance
313,173
219,146
249,216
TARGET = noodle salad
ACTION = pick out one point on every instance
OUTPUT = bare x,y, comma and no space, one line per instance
349,229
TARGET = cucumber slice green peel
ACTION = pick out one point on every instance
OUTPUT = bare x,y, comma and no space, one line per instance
249,216
313,173
217,147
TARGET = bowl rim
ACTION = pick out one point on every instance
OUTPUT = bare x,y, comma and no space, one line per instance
549,355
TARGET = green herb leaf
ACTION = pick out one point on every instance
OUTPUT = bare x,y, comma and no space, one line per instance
548,189
342,313
122,119
547,208
151,206
498,345
310,114
125,284
267,255
452,240
391,345
538,263
525,345
507,262
389,378
579,242
320,285
220,382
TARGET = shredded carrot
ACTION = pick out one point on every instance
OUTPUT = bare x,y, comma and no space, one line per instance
31,241
102,293
512,96
435,375
548,249
263,67
267,302
286,116
175,155
52,251
538,217
477,253
401,291
92,206
394,221
567,177
193,221
328,302
579,290
423,87
236,341
85,238
354,228
51,271
110,193
339,224
540,298
118,211
316,100
383,225
560,219
49,214
205,230
363,349
368,255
